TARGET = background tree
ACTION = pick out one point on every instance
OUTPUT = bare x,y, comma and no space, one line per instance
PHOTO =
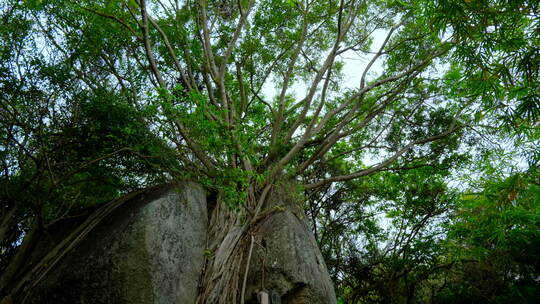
130,93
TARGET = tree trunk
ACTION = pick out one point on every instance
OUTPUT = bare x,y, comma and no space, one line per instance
275,251
227,236
19,261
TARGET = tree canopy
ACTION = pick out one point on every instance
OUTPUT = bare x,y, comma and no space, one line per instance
416,117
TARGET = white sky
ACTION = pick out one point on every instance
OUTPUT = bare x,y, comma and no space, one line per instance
354,66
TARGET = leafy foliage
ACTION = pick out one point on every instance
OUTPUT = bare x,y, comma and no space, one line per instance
99,98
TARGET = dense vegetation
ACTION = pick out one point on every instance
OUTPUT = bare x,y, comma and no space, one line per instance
421,180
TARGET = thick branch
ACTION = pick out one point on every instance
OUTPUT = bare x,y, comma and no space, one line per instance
148,46
379,53
236,35
336,134
383,164
288,74
171,52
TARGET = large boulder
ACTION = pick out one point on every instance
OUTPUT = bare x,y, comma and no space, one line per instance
286,260
149,250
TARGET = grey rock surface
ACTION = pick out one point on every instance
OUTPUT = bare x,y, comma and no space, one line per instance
286,259
150,250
